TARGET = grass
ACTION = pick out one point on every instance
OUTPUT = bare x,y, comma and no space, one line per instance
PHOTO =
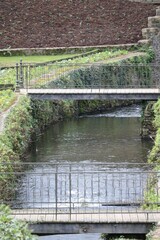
8,76
7,98
100,56
12,60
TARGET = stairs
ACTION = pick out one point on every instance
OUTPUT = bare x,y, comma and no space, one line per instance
153,27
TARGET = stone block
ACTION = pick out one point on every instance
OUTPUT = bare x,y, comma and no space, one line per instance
149,33
154,22
158,11
144,42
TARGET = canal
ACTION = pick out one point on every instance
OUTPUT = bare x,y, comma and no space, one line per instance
106,137
110,137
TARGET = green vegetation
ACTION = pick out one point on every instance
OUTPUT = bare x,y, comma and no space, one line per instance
155,153
9,75
152,197
101,56
7,98
12,60
103,75
12,229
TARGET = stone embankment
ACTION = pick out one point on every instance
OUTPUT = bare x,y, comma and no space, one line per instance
148,130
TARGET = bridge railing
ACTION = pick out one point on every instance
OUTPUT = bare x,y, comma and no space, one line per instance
95,75
80,189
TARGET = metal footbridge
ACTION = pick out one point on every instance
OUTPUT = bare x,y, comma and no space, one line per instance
84,198
89,81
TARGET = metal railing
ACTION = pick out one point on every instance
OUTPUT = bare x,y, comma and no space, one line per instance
81,189
95,75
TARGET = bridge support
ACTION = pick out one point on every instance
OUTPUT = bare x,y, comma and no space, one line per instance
77,228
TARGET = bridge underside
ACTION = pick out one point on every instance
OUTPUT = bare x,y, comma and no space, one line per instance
94,97
48,222
77,228
92,94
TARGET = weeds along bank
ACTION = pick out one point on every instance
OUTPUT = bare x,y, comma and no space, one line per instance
154,155
28,118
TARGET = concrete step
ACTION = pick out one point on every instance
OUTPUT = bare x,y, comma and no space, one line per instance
154,22
144,42
158,11
149,33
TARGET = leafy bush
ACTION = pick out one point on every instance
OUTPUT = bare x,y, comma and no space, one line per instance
8,76
12,229
18,127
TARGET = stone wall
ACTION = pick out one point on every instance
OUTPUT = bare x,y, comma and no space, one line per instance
147,130
146,1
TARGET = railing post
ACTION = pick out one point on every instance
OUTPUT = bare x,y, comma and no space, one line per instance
56,191
21,74
17,77
70,194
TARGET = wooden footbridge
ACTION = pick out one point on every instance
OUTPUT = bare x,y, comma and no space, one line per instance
86,198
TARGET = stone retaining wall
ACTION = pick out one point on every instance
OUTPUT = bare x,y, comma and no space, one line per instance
146,1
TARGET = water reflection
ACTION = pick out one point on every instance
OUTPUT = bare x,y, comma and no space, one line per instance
88,236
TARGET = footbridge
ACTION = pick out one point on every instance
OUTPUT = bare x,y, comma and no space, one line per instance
89,81
84,198
93,94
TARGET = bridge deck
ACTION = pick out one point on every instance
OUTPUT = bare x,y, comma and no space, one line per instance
111,217
87,94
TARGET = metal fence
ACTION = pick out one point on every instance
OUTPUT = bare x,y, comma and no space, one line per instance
80,189
95,75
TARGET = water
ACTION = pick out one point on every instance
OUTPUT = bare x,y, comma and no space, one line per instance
107,137
88,236
91,139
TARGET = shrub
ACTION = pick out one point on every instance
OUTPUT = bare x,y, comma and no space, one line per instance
12,229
